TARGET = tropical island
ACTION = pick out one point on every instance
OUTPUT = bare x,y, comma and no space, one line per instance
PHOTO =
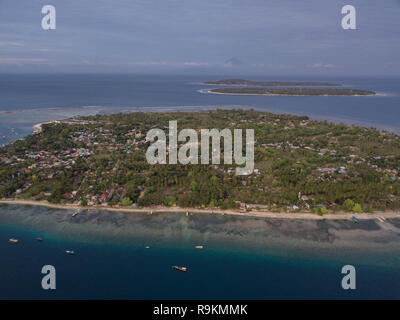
293,91
301,165
242,82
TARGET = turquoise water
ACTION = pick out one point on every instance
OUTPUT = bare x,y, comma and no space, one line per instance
243,258
28,99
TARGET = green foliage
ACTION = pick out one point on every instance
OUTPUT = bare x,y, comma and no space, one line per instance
169,201
348,204
126,202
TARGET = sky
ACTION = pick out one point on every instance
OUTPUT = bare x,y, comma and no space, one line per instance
275,37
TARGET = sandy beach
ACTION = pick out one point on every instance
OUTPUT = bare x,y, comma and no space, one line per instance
291,95
258,213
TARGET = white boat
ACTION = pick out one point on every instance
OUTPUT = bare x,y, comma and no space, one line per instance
183,269
12,240
75,213
69,252
199,247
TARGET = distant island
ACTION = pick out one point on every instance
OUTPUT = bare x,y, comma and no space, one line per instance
293,91
241,82
301,165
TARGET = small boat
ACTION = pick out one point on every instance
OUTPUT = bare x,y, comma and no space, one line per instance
199,247
75,213
355,219
69,252
39,239
380,219
383,218
187,214
183,269
12,240
147,247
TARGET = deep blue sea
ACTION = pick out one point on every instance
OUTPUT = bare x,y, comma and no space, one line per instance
242,259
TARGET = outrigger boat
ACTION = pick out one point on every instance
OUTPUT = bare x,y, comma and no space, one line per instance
183,269
355,219
12,240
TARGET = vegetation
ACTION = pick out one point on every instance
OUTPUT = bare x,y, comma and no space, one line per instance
295,91
300,164
241,82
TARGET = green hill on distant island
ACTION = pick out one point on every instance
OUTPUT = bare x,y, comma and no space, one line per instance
241,82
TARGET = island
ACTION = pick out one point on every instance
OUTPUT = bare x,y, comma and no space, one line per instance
293,91
301,166
242,82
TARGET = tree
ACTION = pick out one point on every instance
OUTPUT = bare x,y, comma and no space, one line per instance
348,204
126,202
357,208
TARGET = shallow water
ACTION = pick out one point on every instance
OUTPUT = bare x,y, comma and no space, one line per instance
243,258
28,99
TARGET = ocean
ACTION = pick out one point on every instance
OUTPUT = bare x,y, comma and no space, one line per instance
243,258
28,99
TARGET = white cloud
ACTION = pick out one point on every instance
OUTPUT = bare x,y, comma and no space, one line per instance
323,66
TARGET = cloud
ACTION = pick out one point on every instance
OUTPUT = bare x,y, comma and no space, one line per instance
323,66
22,61
11,44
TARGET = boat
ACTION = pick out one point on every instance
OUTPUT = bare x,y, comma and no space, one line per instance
380,219
383,218
199,247
69,252
355,219
12,240
183,269
147,247
38,239
75,213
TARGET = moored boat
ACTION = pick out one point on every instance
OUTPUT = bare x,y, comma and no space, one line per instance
355,219
183,269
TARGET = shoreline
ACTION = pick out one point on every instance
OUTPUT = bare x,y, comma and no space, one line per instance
295,95
260,214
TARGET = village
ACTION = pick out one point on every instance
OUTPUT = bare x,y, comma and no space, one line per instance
101,162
